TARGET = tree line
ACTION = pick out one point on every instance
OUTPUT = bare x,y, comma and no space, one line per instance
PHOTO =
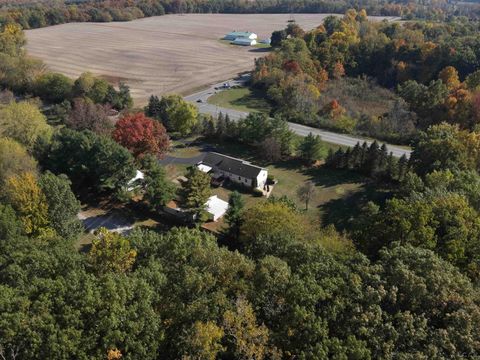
32,14
432,67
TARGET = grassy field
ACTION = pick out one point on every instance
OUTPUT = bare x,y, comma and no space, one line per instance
242,99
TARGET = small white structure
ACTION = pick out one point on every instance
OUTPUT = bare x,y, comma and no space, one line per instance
216,207
244,42
204,168
240,34
136,181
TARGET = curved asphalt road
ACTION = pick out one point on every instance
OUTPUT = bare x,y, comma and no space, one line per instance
302,130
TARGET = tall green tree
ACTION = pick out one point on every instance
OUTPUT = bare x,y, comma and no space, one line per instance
312,148
233,216
178,115
63,206
196,190
158,189
90,161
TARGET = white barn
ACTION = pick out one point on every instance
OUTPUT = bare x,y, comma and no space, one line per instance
244,42
240,34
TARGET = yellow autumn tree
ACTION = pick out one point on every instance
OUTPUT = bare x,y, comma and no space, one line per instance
24,123
28,200
114,354
12,39
449,76
14,160
203,341
248,339
111,252
270,219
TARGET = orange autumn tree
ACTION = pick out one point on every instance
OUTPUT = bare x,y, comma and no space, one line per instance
141,135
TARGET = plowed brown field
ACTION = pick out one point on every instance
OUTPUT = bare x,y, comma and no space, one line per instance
158,55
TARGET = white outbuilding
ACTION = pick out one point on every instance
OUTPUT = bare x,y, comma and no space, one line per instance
216,207
244,42
240,34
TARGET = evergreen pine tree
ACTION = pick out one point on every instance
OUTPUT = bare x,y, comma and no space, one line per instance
153,108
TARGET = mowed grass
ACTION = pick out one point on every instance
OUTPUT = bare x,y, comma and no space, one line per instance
242,99
331,185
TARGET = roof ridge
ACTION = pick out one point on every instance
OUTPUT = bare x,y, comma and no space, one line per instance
234,158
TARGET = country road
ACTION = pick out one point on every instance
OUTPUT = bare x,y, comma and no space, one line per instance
302,130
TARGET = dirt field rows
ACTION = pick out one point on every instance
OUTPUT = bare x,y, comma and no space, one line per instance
166,54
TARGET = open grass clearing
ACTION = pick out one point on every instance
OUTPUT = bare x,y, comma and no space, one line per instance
242,99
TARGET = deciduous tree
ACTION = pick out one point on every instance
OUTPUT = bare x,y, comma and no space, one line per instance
306,192
14,160
178,115
28,200
111,252
85,115
141,135
24,123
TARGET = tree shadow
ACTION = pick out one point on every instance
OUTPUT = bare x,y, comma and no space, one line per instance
256,99
261,50
341,212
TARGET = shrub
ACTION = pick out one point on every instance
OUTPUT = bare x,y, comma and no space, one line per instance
257,192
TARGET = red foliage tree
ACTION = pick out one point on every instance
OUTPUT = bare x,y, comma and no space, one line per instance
141,135
292,66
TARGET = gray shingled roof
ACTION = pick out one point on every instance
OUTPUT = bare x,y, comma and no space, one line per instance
233,165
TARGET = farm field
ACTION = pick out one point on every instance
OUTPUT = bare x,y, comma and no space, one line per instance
158,55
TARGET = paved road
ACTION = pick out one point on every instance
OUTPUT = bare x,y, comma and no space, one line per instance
302,130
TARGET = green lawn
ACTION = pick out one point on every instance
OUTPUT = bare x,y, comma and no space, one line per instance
332,186
242,99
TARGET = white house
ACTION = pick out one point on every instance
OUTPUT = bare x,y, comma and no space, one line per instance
240,34
244,42
237,170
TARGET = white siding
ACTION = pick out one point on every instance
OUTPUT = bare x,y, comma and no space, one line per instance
262,179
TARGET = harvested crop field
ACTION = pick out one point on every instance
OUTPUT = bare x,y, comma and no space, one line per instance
158,55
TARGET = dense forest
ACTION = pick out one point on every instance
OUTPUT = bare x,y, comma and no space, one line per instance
34,14
431,67
401,282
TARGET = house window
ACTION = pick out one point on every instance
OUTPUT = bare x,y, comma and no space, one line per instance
239,178
245,180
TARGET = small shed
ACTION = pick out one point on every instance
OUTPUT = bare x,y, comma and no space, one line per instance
216,207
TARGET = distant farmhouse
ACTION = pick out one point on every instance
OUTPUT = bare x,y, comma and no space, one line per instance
237,170
244,38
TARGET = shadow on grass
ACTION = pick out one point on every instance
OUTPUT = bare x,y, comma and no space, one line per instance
341,212
254,100
261,49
